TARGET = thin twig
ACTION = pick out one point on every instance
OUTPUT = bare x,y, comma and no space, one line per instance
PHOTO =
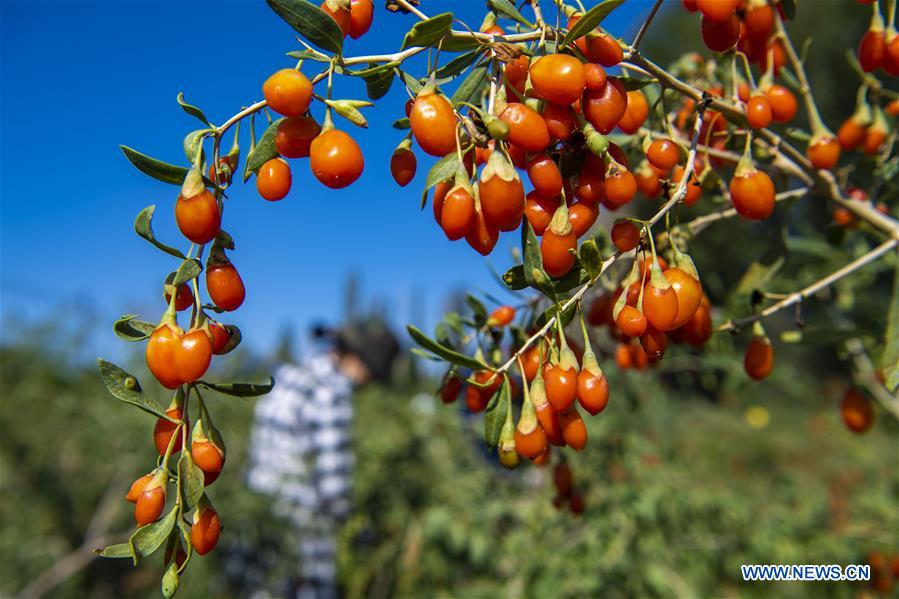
412,9
806,292
645,26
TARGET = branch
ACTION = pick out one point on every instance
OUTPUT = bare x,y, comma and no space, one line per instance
825,179
798,296
701,222
866,376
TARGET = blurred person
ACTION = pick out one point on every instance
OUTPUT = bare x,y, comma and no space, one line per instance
300,453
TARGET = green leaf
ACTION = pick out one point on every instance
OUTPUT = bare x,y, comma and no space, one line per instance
633,84
401,124
590,258
143,226
459,43
192,143
514,278
442,351
507,8
590,20
567,315
377,86
170,581
192,110
576,277
189,269
458,64
414,84
495,414
240,389
148,539
889,362
534,274
798,134
307,55
190,481
471,87
443,169
159,170
757,276
311,22
265,148
125,386
119,550
234,339
349,109
128,328
479,312
428,33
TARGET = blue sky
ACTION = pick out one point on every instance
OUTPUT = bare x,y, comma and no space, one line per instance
80,78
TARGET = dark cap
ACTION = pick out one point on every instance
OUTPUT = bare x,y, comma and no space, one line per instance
370,340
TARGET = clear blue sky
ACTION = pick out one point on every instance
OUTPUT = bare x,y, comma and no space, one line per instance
80,78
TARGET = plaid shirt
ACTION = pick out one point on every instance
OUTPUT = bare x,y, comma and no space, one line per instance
301,455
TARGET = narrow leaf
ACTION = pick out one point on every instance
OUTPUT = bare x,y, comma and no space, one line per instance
119,550
534,274
495,414
192,110
471,87
757,276
590,20
307,55
633,84
240,389
128,328
411,82
190,480
143,226
125,386
428,33
192,143
507,8
311,22
458,64
479,312
159,170
189,269
514,278
443,169
459,43
234,339
590,258
265,148
149,538
401,124
443,351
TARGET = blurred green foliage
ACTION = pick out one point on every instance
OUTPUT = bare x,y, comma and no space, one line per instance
679,488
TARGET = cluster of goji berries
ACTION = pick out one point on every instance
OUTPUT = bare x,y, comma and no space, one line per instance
879,46
335,158
555,377
542,120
